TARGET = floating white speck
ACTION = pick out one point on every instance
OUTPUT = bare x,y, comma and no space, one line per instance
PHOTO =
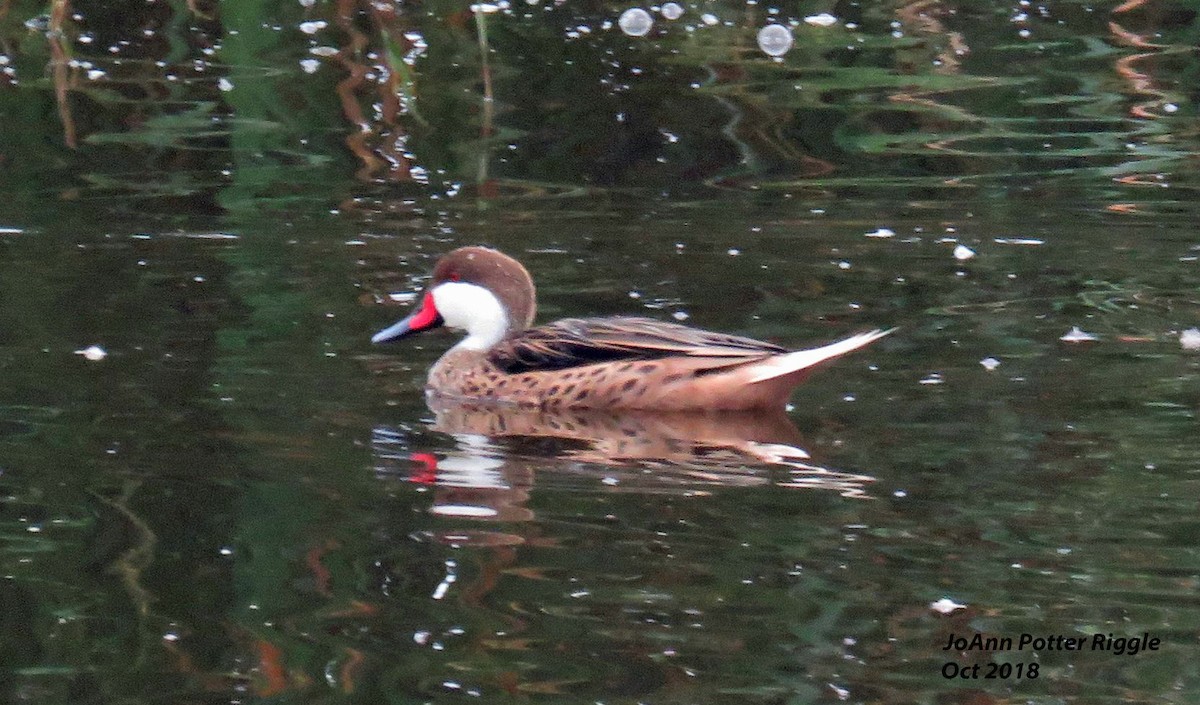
486,8
225,84
1170,108
882,232
709,19
989,363
209,236
946,606
822,20
1018,241
95,353
323,51
733,252
963,253
611,481
309,65
312,27
1190,339
1075,335
680,315
672,10
775,39
95,74
934,378
462,510
635,22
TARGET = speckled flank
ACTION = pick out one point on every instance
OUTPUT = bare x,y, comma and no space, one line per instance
671,384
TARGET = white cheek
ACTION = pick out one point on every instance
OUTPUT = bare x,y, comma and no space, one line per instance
474,309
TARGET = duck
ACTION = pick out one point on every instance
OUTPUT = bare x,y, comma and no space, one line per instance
613,363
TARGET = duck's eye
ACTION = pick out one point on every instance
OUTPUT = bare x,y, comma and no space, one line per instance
454,276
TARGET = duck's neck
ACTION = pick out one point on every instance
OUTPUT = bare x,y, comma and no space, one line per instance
474,309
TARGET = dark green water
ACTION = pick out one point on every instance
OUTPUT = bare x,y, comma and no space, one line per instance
244,501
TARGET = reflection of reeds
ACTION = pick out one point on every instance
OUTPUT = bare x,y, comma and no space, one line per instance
486,128
921,16
61,71
1140,82
135,559
387,147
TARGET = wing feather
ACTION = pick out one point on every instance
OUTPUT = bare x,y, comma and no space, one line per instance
581,341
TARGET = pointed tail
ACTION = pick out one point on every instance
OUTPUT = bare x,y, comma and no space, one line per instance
791,363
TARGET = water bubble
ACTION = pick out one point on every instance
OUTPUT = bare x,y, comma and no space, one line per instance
709,19
310,65
635,22
225,84
775,39
312,27
672,11
1190,339
963,253
989,363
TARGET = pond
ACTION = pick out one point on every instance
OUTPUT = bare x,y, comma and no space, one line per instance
214,489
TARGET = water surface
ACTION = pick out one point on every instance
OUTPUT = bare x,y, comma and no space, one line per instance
241,500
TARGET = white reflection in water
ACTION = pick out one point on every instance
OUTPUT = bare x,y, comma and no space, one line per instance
1077,335
672,11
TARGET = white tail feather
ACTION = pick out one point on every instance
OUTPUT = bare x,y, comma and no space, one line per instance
803,359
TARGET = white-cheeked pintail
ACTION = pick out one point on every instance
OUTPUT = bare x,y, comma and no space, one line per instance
597,363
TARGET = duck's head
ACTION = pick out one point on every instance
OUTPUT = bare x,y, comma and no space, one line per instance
476,289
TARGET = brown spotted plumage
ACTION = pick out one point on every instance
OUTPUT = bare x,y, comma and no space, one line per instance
598,363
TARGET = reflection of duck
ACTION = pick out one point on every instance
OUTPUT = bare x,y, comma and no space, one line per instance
687,451
623,362
632,435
